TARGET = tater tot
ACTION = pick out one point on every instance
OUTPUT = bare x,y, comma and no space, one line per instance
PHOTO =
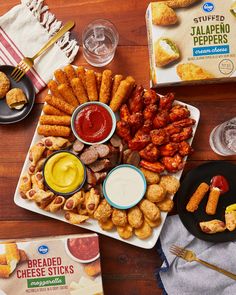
99,81
213,201
59,104
120,95
54,130
70,72
61,77
80,71
52,86
149,209
50,110
155,193
135,217
197,197
116,82
105,90
79,90
170,183
55,120
119,217
91,85
68,95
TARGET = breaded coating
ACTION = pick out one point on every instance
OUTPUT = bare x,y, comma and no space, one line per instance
91,85
166,51
155,223
120,95
70,72
80,71
59,104
213,199
103,211
179,3
151,177
170,183
4,85
52,86
125,232
54,130
119,217
135,217
144,231
50,110
190,71
79,90
149,209
68,95
166,205
99,81
155,193
55,120
106,225
105,90
61,77
16,98
197,196
116,82
162,14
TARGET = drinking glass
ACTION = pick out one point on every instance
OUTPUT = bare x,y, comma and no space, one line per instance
100,39
223,138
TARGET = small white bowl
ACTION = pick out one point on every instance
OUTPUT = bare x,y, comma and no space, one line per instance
80,107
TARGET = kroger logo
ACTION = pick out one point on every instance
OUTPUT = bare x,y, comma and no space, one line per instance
208,7
43,249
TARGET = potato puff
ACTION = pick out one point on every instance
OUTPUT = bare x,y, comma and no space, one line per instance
61,77
119,217
52,86
79,90
155,223
36,152
59,104
50,110
74,218
74,201
155,193
92,201
151,177
144,231
105,90
116,82
125,232
120,95
25,185
54,130
103,211
91,85
55,205
36,168
135,217
37,181
149,209
162,14
68,94
170,183
80,71
166,205
106,225
70,72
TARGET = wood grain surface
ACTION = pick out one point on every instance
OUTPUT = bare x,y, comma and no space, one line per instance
127,270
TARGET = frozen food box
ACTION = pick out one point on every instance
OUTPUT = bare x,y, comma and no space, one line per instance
191,41
62,265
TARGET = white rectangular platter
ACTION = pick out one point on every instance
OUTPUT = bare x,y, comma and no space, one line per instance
92,224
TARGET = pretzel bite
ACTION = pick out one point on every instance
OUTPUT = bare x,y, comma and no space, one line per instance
116,82
37,181
25,185
105,90
91,85
74,218
135,217
70,72
68,95
144,231
151,177
80,71
52,86
170,183
55,143
98,80
155,193
59,104
55,205
54,130
155,223
149,209
125,232
120,95
197,196
166,205
119,217
61,77
106,225
103,211
79,90
4,85
50,110
74,201
55,120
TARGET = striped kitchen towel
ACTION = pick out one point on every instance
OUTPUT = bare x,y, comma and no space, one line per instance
24,30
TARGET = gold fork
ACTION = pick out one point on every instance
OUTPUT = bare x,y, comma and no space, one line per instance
27,63
191,256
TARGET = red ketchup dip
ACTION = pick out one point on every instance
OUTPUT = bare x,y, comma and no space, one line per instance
221,183
93,123
85,248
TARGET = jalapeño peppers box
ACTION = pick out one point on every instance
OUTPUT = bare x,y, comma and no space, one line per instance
191,41
63,265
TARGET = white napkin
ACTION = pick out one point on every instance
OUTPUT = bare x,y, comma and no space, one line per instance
24,30
179,277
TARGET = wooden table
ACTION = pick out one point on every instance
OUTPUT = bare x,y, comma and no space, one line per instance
126,269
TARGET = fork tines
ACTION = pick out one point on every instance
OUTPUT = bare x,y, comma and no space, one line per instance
19,71
176,250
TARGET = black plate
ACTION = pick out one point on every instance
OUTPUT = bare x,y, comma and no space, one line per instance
7,115
204,173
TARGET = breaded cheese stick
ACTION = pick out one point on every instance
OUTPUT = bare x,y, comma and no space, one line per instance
105,90
61,77
99,81
52,86
59,104
70,72
54,130
80,71
116,82
213,200
197,197
55,120
91,85
68,95
79,90
131,82
120,95
50,110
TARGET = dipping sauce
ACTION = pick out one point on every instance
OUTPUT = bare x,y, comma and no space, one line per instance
124,186
221,183
93,123
64,172
84,248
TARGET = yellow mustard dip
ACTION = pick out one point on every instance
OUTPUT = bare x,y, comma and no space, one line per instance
64,172
230,208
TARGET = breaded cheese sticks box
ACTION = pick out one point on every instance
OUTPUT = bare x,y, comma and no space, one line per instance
191,41
62,265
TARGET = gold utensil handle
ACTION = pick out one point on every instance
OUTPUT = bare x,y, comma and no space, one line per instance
224,272
70,24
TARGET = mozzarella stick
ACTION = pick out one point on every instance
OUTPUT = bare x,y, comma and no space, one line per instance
120,95
116,82
52,86
91,85
99,80
80,71
105,90
55,120
61,77
50,110
68,95
213,200
59,104
54,130
12,253
70,72
75,218
55,205
79,90
131,81
197,197
5,271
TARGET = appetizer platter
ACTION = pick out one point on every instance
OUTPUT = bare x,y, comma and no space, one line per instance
107,155
206,201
